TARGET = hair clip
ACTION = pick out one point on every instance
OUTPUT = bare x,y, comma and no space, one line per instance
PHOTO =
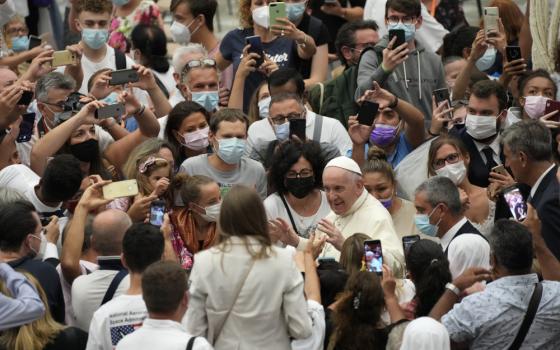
356,301
148,163
433,261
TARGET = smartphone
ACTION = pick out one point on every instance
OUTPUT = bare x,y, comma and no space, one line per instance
256,47
373,256
117,110
157,210
408,241
491,16
124,76
513,53
552,106
276,10
127,188
34,41
297,127
63,58
399,33
25,98
443,95
26,127
45,221
367,113
500,169
516,203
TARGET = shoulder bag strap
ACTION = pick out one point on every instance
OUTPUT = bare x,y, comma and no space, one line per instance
529,316
221,326
289,212
113,286
190,344
318,127
321,96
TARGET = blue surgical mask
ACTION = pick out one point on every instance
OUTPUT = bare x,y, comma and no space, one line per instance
95,38
111,99
207,99
487,60
422,221
282,131
120,2
231,150
409,30
264,106
295,11
20,43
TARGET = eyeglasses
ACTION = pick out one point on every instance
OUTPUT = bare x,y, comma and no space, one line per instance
281,119
394,20
205,62
362,47
21,30
450,159
303,173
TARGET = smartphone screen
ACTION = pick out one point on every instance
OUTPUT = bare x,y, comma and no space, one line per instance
399,33
373,256
516,203
513,53
408,241
157,210
367,113
26,127
256,47
297,127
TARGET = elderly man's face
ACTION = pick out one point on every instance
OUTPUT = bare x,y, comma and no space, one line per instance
7,78
342,188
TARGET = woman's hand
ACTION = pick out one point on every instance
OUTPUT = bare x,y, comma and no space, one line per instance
388,282
499,39
268,67
282,231
248,63
161,187
501,181
101,84
288,29
315,247
140,209
335,236
478,47
146,81
86,115
132,105
551,124
52,231
440,116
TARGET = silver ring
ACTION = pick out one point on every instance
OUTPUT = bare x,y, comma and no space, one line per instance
282,32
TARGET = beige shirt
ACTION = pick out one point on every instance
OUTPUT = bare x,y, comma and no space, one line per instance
403,220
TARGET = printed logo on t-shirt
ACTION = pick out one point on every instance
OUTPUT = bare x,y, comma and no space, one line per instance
119,332
281,59
224,189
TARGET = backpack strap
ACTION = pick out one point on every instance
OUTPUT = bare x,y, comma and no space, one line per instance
161,86
529,316
120,59
114,285
190,344
318,128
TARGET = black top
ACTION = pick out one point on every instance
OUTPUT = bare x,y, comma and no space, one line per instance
466,228
316,29
69,338
49,280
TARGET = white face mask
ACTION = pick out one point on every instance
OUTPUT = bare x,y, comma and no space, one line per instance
42,247
454,172
211,212
181,33
261,16
481,127
264,105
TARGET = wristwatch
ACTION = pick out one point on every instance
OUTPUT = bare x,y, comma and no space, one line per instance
453,288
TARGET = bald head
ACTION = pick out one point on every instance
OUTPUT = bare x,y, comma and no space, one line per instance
108,229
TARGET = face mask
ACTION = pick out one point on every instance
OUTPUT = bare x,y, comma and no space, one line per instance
86,151
387,202
454,172
181,33
120,2
261,17
111,99
95,38
211,212
535,106
409,30
480,127
300,186
196,140
231,150
20,43
42,247
422,221
207,99
282,131
383,134
487,60
264,106
295,11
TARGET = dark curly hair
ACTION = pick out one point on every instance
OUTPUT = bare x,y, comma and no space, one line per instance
429,270
287,154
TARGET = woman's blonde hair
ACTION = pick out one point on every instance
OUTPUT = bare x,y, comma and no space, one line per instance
34,335
352,252
149,147
245,15
147,166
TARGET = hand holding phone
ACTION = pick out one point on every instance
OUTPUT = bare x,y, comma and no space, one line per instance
491,16
399,33
255,46
157,212
442,95
116,111
124,76
276,10
297,128
550,107
373,256
516,202
63,58
367,113
500,169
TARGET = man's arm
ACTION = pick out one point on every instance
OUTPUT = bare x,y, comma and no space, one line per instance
550,266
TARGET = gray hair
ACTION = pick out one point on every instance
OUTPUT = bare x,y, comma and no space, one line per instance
530,137
440,189
53,80
9,195
179,56
287,96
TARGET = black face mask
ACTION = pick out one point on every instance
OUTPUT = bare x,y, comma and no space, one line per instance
86,151
300,186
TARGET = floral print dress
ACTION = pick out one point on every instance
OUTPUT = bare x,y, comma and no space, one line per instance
147,12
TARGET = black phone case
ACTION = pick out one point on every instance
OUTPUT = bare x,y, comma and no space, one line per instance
26,128
367,113
26,98
297,127
513,53
399,33
124,76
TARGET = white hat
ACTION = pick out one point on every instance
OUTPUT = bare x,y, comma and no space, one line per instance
345,163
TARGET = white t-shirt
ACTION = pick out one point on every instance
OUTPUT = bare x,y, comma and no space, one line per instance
304,225
85,266
315,341
431,32
117,318
261,133
161,334
168,81
162,124
89,67
176,98
88,292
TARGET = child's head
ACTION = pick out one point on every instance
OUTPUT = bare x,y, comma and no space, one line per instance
151,169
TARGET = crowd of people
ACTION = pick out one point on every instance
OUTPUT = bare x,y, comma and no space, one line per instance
332,174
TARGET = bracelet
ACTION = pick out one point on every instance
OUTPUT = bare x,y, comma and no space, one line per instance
432,134
453,288
304,43
387,71
394,104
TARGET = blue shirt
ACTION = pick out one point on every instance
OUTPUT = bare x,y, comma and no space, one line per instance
402,149
491,319
281,50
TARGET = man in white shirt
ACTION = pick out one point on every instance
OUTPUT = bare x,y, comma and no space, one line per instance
181,57
142,246
165,292
89,291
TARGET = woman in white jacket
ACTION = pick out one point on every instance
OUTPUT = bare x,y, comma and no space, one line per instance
245,293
